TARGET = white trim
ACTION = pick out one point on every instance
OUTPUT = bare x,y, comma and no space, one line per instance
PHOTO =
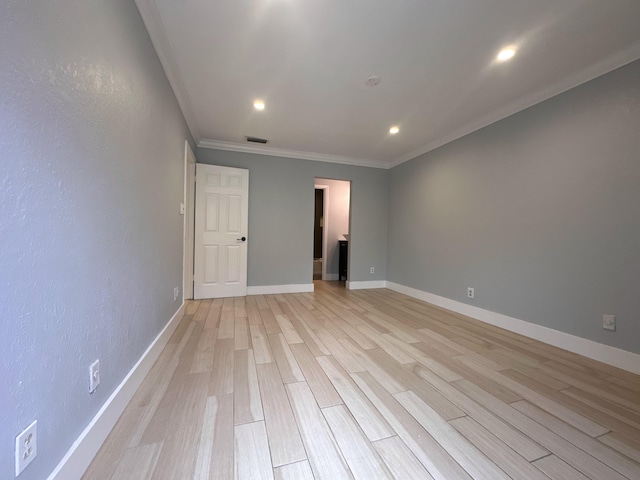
77,459
594,70
364,285
275,289
157,33
279,152
325,231
188,227
596,351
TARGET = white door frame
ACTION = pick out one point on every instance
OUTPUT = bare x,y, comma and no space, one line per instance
189,221
325,228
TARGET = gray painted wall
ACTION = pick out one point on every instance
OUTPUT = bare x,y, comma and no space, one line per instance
336,219
539,212
92,142
281,196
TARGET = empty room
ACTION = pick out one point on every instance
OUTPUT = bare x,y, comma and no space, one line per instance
292,239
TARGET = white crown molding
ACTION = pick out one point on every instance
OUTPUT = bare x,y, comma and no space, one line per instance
155,28
79,457
608,64
279,152
588,348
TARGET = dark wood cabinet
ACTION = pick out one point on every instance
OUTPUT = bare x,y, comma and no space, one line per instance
343,259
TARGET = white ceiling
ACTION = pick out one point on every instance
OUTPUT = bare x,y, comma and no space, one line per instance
309,59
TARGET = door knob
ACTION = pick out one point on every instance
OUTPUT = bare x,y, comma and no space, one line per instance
243,239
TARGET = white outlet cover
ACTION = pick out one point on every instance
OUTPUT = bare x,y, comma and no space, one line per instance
26,447
609,322
94,376
471,292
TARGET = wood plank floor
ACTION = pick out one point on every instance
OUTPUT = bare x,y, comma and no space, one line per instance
368,384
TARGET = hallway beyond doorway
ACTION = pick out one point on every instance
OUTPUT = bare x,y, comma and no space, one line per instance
331,226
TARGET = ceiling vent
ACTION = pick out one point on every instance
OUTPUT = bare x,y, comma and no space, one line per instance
257,140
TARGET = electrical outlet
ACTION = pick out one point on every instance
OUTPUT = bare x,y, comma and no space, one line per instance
176,292
94,376
372,270
26,447
471,292
609,322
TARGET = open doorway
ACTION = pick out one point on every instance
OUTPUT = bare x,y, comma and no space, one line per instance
318,233
331,229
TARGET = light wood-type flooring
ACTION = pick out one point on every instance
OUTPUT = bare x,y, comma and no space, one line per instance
368,384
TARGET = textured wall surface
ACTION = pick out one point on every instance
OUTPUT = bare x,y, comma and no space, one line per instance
336,219
281,200
539,212
91,176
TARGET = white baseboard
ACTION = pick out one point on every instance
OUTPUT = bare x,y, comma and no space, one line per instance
588,348
79,457
275,289
363,285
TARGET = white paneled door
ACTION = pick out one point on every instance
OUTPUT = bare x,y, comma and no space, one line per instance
222,204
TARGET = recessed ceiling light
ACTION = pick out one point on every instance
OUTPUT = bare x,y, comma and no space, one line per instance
393,130
506,54
258,105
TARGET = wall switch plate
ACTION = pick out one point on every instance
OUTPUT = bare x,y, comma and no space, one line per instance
372,270
26,447
609,322
94,376
176,292
471,292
